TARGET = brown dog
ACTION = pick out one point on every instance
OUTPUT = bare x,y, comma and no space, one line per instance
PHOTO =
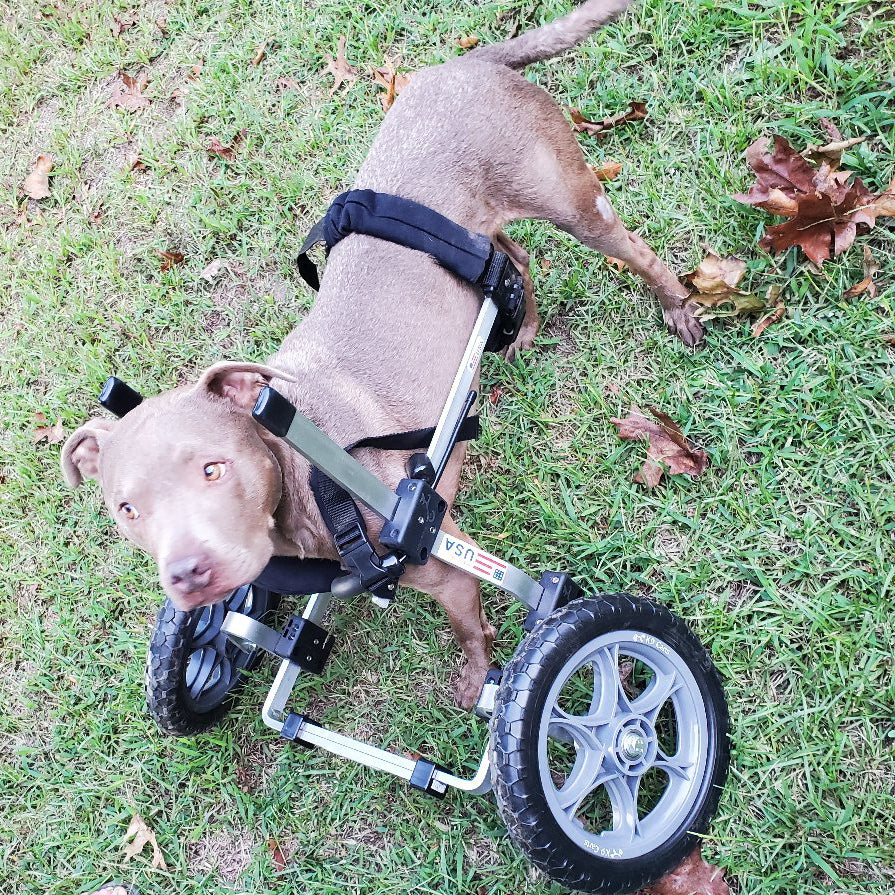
193,480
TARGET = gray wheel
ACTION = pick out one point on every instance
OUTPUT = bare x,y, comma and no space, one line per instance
609,743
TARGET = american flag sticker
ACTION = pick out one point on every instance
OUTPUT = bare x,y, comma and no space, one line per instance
482,564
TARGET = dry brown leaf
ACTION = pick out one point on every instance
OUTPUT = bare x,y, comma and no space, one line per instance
287,84
162,24
44,432
636,112
715,281
607,170
135,163
216,147
123,22
831,152
775,316
871,269
37,185
616,262
170,258
388,76
260,53
196,69
339,67
140,834
826,208
468,41
693,876
278,859
128,92
668,449
884,204
833,132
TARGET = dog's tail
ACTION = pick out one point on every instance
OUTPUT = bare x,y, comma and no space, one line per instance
553,39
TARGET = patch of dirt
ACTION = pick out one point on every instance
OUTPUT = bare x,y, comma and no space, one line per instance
226,854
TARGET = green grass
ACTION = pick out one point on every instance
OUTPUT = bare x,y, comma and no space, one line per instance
781,556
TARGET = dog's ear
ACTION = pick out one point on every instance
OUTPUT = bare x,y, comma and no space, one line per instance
238,382
80,454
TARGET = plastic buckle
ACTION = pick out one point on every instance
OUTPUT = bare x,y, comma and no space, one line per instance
504,285
292,728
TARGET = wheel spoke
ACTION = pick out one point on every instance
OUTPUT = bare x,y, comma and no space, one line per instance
623,792
674,765
564,727
203,675
663,684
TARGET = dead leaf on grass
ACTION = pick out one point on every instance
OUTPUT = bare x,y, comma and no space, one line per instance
128,92
169,259
388,76
693,876
716,280
162,24
196,69
884,204
216,147
871,268
44,432
278,859
339,67
140,835
831,152
135,163
668,449
287,84
775,316
468,41
213,270
260,53
636,112
826,208
616,262
123,22
37,184
607,170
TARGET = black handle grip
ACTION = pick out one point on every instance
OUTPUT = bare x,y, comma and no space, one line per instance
118,397
273,411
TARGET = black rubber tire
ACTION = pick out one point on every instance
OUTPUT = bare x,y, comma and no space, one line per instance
513,749
166,663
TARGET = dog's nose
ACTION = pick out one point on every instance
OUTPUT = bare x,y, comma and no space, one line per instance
189,574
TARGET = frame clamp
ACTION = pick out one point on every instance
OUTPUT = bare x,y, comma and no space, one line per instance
559,589
423,778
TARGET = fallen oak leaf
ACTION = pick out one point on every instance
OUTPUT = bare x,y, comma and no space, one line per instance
825,207
37,184
833,132
607,170
716,280
884,204
394,82
278,859
227,153
44,432
169,259
871,269
140,834
468,41
339,67
775,316
831,152
693,876
128,93
668,449
636,112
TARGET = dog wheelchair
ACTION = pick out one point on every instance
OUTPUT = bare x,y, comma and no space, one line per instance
608,744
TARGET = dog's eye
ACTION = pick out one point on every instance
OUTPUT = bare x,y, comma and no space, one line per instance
213,471
129,511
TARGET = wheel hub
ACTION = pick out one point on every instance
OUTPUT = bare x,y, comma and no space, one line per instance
633,746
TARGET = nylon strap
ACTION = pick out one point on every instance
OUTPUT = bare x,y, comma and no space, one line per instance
403,221
339,511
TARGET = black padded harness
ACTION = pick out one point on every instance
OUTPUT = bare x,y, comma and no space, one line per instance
464,253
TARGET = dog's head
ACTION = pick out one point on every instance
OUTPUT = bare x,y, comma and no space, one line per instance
188,478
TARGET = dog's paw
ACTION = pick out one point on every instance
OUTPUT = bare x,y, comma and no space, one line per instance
684,324
523,342
469,685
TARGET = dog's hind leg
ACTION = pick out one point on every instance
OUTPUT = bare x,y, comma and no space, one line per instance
458,594
529,329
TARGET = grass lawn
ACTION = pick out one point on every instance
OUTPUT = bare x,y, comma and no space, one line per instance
781,556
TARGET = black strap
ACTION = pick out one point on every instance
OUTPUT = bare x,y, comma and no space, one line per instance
403,221
339,511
